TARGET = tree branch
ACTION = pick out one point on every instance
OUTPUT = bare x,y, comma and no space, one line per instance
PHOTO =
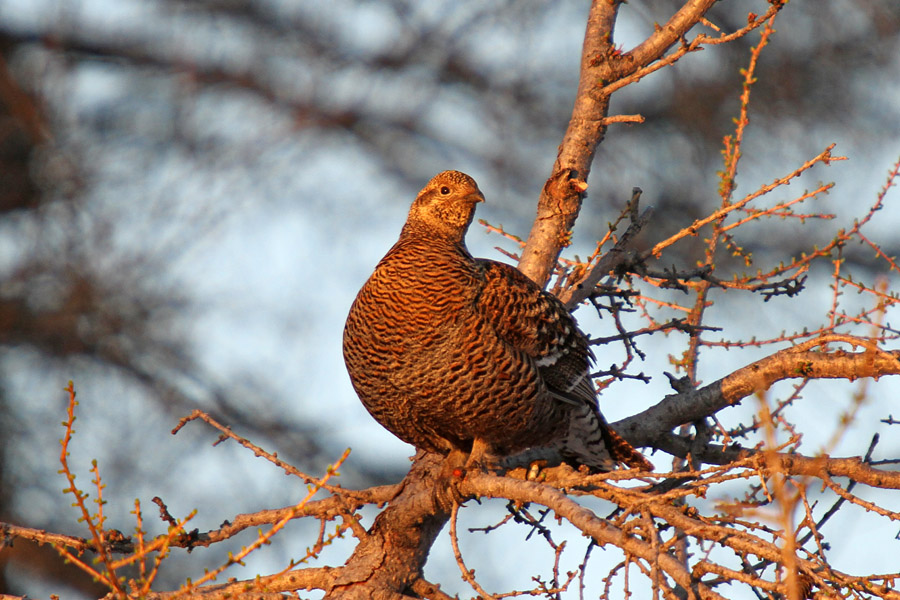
602,531
391,558
647,427
560,200
853,468
666,36
601,64
618,256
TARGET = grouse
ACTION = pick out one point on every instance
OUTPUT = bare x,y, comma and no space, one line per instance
453,353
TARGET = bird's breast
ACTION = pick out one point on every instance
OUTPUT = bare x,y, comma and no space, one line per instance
413,301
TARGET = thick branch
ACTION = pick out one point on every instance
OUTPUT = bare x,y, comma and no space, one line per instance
646,427
390,559
602,531
633,541
601,64
561,197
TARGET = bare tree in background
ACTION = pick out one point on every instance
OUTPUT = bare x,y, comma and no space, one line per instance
65,299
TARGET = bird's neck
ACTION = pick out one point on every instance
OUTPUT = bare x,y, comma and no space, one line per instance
439,237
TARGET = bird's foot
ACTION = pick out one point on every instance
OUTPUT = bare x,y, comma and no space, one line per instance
454,470
446,487
481,458
536,470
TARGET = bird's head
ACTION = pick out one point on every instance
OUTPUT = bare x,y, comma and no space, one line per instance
445,206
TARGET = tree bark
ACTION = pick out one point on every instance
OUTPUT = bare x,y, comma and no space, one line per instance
655,423
391,557
601,65
561,198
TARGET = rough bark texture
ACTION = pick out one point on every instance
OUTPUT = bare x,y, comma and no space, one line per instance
603,70
391,557
560,200
653,424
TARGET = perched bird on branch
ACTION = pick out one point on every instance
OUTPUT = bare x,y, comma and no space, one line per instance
456,354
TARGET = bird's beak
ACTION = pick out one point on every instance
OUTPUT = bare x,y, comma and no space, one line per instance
477,196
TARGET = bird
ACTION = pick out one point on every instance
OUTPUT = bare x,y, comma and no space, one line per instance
462,355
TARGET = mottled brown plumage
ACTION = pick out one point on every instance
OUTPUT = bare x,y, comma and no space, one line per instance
446,350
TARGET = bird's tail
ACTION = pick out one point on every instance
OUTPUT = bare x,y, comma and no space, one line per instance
623,452
593,443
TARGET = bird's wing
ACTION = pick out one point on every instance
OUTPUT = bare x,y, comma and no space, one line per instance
537,324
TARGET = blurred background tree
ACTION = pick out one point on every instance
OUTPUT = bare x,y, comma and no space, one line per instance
192,191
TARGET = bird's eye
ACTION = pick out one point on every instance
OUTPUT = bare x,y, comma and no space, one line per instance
445,190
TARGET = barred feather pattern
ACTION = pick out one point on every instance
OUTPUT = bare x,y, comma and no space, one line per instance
444,349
